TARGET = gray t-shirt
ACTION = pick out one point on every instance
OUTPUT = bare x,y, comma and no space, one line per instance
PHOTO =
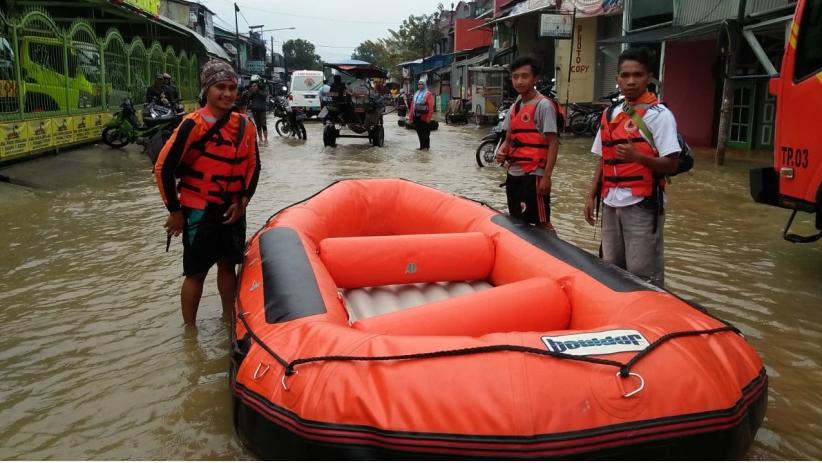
545,118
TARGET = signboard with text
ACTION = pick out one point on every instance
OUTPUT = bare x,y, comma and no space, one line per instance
558,26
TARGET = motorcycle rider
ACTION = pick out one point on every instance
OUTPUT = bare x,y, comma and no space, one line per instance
158,93
172,94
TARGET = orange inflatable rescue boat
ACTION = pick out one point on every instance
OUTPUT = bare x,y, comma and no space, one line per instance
382,319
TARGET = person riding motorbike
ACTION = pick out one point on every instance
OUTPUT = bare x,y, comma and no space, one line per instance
172,94
158,93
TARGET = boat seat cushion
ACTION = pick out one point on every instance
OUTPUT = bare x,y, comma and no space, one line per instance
360,262
532,305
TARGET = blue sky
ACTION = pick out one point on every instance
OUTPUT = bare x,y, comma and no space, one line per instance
335,27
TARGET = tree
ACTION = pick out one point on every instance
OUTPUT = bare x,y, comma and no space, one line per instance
414,39
301,54
374,52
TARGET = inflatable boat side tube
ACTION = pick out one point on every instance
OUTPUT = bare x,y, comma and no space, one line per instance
274,433
620,280
291,289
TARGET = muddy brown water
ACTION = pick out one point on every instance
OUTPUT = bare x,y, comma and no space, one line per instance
96,365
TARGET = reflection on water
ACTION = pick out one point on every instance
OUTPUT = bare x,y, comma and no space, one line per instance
97,365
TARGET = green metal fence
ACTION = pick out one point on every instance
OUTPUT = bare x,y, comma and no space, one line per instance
47,70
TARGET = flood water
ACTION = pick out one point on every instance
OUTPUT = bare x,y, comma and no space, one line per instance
96,364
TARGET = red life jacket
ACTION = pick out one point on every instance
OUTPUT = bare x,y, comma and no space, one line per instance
527,146
213,170
616,173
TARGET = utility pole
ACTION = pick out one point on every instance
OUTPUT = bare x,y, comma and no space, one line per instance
237,35
733,29
570,57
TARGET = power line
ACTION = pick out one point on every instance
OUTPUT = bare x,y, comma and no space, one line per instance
336,20
246,21
323,46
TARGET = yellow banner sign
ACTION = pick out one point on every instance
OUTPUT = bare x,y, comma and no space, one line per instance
42,134
149,6
23,138
63,130
14,138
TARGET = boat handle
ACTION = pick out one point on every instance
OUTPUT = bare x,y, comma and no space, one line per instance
637,390
285,386
259,374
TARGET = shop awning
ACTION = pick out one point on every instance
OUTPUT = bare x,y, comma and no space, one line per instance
410,63
668,34
522,9
212,48
473,61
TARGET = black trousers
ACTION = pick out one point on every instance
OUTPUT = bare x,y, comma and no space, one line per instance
423,133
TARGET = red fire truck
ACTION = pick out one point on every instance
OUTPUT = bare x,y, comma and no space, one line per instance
795,180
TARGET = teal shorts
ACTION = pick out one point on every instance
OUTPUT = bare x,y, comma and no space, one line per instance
206,240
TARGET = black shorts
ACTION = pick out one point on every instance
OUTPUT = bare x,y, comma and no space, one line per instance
523,201
206,240
259,118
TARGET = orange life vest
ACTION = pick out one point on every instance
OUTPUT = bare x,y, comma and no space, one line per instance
213,170
622,174
527,147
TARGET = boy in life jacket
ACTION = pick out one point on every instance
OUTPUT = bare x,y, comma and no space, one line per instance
214,155
530,148
638,146
421,113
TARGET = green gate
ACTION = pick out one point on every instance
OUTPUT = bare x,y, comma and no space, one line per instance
59,85
117,68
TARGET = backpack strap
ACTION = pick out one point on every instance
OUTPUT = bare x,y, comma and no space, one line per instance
241,131
221,122
643,127
609,113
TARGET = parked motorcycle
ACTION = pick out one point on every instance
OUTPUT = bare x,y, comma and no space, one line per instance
291,124
124,128
586,117
277,101
489,145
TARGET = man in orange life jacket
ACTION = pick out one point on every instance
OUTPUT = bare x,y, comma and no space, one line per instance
214,153
421,113
638,145
530,148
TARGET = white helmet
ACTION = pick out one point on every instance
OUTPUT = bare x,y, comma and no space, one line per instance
255,78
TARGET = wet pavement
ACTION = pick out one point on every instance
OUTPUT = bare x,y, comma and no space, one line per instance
97,364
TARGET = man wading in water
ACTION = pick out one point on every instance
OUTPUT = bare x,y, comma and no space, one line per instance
638,146
214,153
530,148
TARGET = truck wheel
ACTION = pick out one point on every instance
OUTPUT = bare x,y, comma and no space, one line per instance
329,136
378,136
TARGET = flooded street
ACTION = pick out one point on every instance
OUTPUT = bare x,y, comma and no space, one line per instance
96,363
